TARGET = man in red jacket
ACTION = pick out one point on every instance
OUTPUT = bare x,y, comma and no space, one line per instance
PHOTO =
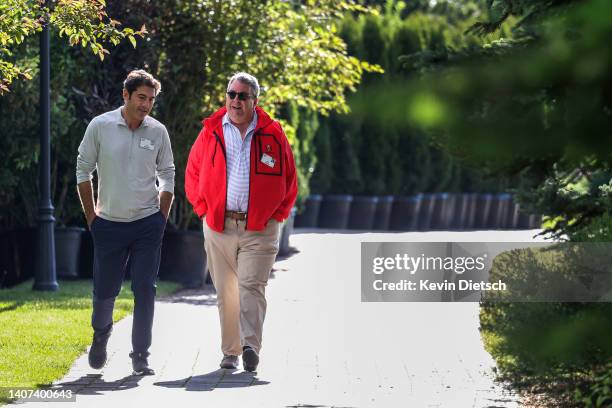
241,181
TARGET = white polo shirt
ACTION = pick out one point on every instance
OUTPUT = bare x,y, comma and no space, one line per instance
128,163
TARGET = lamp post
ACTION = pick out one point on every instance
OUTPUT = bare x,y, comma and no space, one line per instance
45,276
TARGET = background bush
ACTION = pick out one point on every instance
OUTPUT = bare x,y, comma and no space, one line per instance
373,156
557,348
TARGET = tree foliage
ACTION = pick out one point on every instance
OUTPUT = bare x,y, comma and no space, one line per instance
194,47
293,48
536,107
373,155
81,22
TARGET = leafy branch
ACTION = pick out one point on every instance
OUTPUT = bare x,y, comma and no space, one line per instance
82,22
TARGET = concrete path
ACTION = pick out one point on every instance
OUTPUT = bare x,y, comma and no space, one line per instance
322,346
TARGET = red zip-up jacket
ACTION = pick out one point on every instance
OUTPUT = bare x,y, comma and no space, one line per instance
272,190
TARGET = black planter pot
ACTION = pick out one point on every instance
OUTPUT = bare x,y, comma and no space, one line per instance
363,213
483,208
18,251
449,211
183,259
25,249
470,221
335,211
512,217
310,214
460,211
67,251
500,205
7,259
405,213
382,216
440,218
428,203
535,221
286,231
524,219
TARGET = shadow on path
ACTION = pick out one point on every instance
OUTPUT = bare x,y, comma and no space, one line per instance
92,384
314,406
220,378
205,295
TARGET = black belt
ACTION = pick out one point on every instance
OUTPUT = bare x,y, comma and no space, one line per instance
235,215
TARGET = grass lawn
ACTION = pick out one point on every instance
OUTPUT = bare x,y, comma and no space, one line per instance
42,333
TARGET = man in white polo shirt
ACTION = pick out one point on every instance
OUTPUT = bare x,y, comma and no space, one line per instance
130,151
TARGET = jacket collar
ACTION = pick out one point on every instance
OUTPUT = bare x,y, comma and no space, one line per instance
216,119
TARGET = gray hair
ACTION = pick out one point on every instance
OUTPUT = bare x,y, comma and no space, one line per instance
246,79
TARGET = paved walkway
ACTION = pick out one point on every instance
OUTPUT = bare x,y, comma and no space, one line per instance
322,346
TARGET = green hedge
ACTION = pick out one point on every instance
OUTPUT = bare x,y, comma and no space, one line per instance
362,154
555,348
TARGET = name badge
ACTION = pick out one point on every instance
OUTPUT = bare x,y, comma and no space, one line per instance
146,143
267,160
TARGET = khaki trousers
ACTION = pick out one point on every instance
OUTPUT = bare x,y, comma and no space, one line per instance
240,262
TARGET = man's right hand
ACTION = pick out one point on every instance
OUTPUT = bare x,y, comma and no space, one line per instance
90,220
85,191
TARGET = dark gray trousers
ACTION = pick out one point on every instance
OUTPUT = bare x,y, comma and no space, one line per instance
115,243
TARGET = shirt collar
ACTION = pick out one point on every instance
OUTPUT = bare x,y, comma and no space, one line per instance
226,121
121,121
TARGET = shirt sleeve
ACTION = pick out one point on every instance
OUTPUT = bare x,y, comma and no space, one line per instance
165,164
88,153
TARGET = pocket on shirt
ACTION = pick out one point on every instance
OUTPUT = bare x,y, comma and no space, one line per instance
145,155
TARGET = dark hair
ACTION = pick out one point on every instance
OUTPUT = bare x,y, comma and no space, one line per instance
138,78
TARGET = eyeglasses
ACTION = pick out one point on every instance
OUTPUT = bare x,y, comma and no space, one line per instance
243,96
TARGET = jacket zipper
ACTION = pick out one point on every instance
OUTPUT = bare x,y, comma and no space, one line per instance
250,168
225,157
222,149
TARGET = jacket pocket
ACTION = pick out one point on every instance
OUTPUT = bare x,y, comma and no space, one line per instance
268,155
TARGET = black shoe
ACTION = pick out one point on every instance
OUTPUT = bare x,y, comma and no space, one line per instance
250,359
229,362
140,364
97,351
